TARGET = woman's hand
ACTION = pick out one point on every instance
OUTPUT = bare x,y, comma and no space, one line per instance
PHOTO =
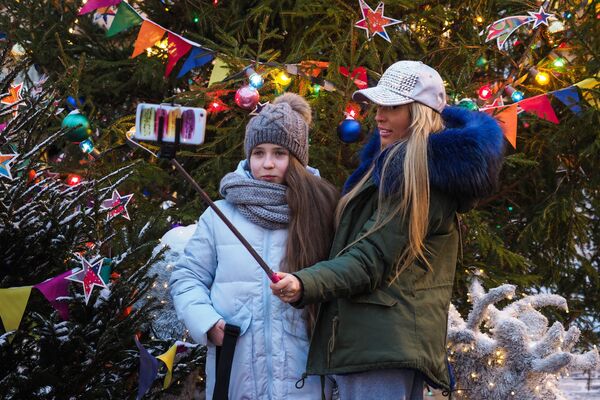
288,289
216,333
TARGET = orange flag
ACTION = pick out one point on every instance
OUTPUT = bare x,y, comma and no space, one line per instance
507,119
149,34
540,106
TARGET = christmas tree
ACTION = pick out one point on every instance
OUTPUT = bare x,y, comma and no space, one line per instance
532,65
74,258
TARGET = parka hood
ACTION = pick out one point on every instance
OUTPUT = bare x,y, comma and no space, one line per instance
464,159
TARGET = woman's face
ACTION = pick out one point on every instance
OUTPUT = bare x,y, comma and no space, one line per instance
269,162
393,123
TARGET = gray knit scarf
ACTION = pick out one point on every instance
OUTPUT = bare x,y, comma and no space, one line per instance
263,203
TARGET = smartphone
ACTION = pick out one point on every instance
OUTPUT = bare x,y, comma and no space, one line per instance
151,119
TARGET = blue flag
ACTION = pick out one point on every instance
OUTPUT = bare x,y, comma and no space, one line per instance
197,58
570,97
148,369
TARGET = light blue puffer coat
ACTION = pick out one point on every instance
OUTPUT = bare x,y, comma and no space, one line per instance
217,278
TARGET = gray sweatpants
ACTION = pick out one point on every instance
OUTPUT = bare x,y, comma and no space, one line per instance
384,384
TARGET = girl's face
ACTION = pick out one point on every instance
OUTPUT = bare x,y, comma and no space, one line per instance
269,162
393,123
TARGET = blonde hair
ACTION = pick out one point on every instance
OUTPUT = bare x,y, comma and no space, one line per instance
414,199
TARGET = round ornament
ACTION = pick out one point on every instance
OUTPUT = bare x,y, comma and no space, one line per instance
79,126
349,130
72,102
247,97
469,104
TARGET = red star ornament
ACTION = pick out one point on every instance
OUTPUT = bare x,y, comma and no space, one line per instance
89,277
117,205
374,22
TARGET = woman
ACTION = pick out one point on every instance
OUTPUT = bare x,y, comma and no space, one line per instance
385,292
286,213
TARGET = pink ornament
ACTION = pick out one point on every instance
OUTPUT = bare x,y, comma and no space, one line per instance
247,97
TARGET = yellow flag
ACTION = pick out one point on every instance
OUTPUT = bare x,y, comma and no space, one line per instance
219,72
590,83
12,306
168,357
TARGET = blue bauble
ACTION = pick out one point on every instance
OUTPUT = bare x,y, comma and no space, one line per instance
72,103
349,130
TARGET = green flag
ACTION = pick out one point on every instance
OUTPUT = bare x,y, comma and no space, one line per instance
125,18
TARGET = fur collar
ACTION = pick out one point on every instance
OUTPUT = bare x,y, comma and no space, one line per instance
464,159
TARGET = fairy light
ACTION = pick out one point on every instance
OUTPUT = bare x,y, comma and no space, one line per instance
485,92
542,78
283,79
479,19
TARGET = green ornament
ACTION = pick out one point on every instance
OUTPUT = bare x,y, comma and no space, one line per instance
481,62
79,127
469,104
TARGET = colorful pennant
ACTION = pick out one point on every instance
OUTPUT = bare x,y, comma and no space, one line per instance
590,83
149,34
177,49
540,106
168,358
12,306
92,5
570,98
125,18
507,119
219,72
148,369
54,288
197,58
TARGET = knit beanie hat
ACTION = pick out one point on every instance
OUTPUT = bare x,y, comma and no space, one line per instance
284,122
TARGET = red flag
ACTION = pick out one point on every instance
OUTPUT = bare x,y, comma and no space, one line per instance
359,75
177,49
149,34
92,5
540,106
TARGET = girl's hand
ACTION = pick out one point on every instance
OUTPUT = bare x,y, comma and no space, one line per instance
288,289
216,333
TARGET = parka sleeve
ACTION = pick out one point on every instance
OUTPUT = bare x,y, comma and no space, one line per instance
359,269
192,278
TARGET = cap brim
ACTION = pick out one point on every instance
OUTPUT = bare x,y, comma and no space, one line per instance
380,96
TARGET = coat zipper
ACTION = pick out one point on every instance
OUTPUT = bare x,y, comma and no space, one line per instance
331,343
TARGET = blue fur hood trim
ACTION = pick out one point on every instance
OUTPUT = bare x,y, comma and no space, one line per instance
464,159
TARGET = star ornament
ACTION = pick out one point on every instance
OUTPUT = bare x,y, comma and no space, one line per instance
374,22
89,276
5,162
540,17
14,95
259,108
117,205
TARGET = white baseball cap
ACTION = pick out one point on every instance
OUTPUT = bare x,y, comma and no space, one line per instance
404,82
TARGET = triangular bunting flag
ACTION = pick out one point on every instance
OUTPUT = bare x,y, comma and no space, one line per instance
177,49
91,5
148,369
168,358
590,83
507,119
125,18
570,97
540,106
12,306
219,72
149,34
197,58
56,287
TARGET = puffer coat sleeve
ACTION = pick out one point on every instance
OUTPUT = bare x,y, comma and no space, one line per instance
192,279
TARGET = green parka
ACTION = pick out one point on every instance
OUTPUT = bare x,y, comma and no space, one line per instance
364,321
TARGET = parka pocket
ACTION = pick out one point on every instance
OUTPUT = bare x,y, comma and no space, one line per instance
331,344
378,297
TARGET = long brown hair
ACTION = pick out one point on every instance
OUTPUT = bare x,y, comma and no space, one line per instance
414,200
312,202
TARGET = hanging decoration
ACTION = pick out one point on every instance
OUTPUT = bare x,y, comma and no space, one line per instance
374,22
12,306
259,108
116,205
89,276
125,18
503,28
78,126
247,97
14,96
349,130
5,163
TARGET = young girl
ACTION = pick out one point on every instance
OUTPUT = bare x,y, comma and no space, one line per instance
286,213
385,292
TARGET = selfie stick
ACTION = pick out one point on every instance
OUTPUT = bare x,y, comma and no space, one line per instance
167,151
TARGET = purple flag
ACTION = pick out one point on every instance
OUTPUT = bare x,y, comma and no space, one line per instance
92,5
148,369
56,287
